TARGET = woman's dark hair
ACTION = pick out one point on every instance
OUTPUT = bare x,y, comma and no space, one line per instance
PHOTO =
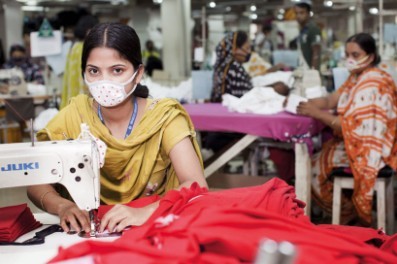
120,37
84,25
367,43
17,47
241,38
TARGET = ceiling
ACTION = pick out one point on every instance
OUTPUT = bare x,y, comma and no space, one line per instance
264,8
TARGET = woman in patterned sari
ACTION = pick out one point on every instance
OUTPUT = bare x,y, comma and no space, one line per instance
364,127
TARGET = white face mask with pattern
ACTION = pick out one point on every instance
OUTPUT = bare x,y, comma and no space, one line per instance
109,93
352,64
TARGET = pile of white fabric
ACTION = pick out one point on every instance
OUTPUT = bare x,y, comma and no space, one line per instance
43,118
181,92
262,99
36,89
280,76
315,92
259,100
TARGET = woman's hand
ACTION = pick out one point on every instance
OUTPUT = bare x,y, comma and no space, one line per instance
72,217
280,66
308,109
121,216
4,88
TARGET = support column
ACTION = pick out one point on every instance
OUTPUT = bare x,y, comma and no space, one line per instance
176,29
381,48
359,16
351,25
12,21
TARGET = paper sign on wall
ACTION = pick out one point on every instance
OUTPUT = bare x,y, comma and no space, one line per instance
199,54
44,46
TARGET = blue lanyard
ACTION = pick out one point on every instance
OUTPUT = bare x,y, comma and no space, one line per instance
132,120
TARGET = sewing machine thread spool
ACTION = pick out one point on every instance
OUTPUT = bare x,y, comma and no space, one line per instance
267,252
287,252
272,252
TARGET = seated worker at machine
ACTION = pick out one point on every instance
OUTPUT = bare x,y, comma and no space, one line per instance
19,59
151,147
231,77
229,74
18,71
364,126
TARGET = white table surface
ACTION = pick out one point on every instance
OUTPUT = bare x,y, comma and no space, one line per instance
42,253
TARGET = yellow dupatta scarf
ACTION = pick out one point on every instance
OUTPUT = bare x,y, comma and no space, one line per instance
73,83
131,164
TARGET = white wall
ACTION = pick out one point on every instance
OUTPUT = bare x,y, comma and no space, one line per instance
138,19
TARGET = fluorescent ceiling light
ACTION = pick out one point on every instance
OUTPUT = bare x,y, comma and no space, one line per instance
253,16
352,8
328,3
253,8
31,3
373,11
35,8
212,4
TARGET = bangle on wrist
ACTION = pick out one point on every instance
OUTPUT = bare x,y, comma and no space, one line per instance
334,121
43,196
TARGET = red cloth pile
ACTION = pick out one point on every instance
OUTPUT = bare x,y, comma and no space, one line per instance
196,226
16,221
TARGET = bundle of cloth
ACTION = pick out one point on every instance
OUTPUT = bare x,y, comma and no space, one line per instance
268,96
196,226
258,100
265,98
16,221
181,92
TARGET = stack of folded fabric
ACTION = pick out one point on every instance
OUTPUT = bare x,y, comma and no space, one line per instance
16,221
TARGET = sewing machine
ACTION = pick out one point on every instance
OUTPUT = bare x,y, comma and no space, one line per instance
72,163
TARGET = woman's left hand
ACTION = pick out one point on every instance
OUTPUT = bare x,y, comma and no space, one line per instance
307,109
121,216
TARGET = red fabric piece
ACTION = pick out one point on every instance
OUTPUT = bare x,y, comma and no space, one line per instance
367,235
390,245
194,226
274,196
284,160
16,221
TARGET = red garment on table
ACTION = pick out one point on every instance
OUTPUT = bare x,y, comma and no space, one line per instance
273,196
194,226
16,221
390,245
368,235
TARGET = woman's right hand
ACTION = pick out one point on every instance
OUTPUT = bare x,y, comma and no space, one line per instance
71,217
308,109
